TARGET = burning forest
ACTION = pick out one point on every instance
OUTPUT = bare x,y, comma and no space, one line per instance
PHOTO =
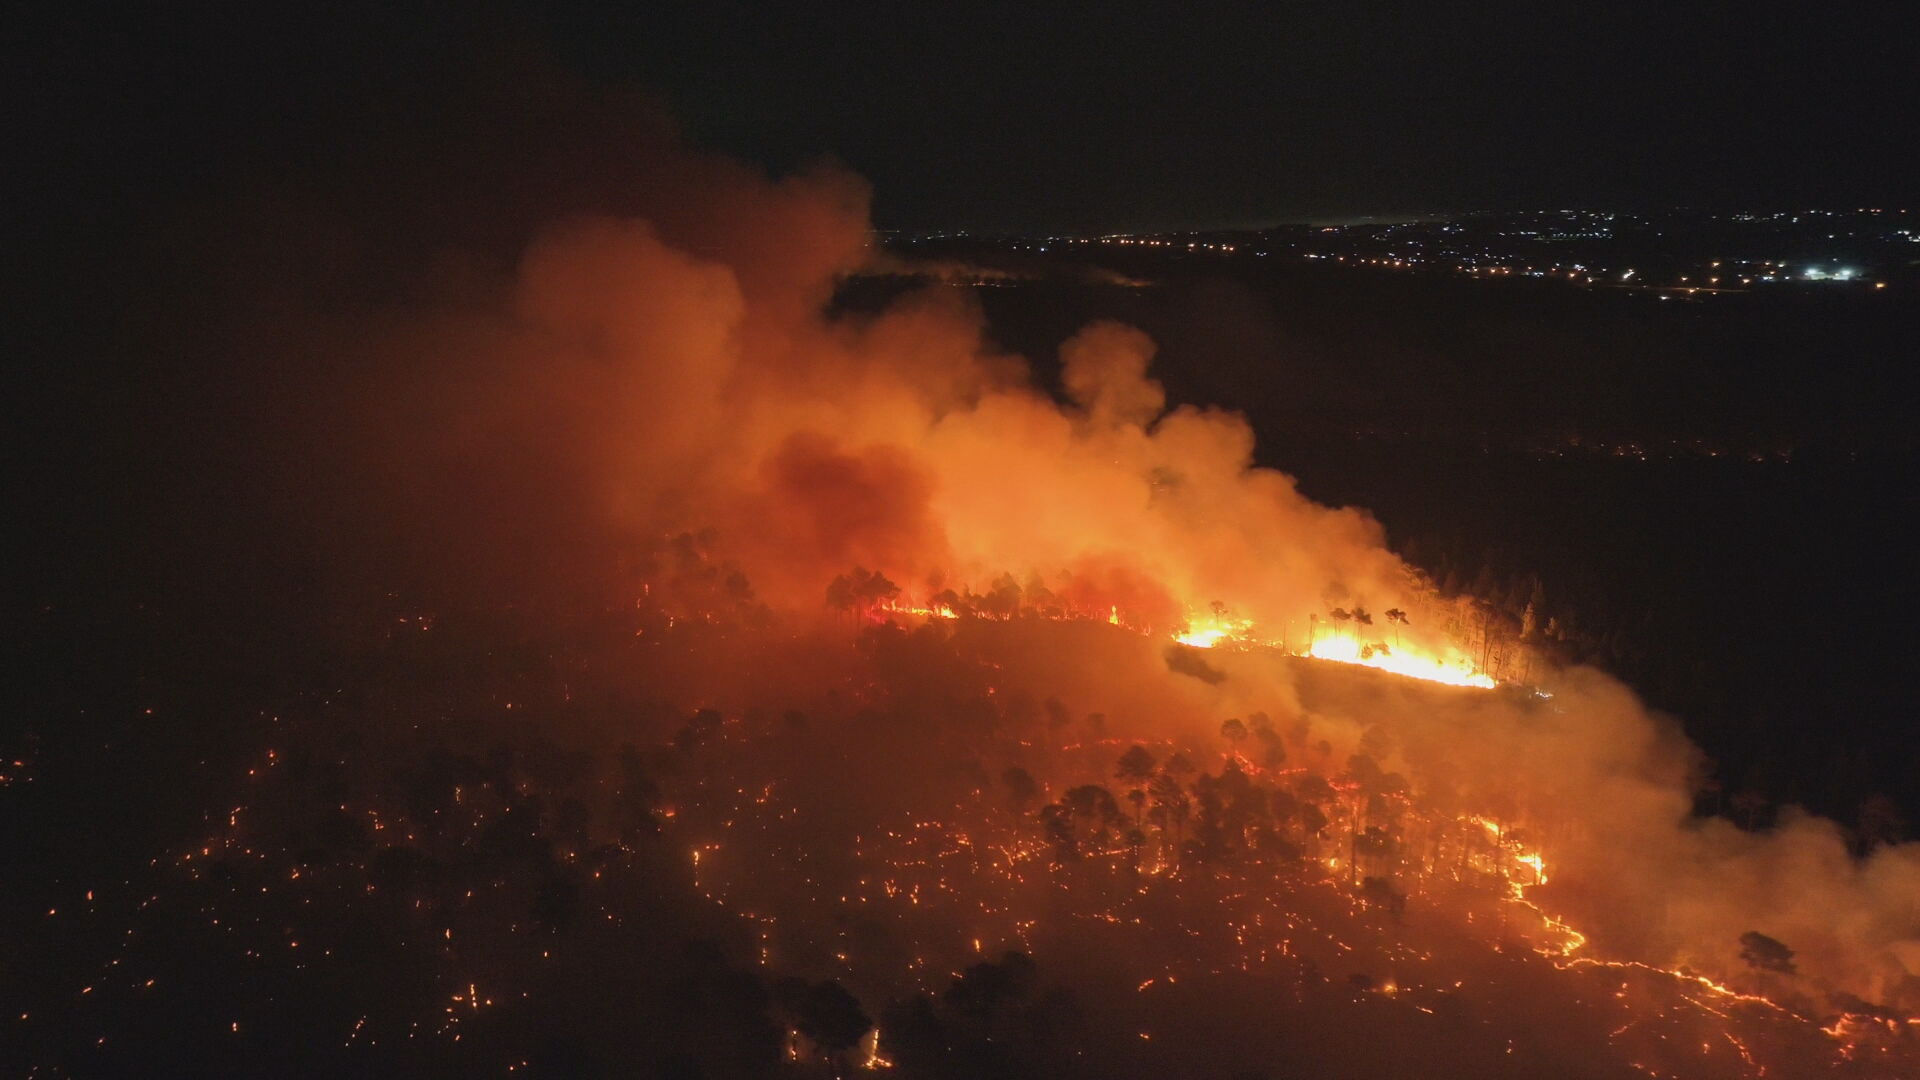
725,680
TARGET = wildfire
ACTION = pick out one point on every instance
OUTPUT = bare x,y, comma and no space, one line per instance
935,611
1375,891
1206,632
1400,662
1211,631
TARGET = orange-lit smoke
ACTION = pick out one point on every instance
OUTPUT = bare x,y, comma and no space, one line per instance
709,392
673,370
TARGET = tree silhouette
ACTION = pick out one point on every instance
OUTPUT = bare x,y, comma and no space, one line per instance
989,988
1135,764
1057,714
1004,599
1378,892
1312,787
993,1021
860,589
1364,771
1209,841
1170,802
826,1014
1763,953
1041,599
1274,752
1312,819
916,1039
1093,804
1021,788
1057,823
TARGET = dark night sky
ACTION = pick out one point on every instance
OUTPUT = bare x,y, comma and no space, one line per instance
1004,116
1248,113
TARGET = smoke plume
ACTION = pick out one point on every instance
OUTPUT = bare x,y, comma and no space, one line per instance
670,361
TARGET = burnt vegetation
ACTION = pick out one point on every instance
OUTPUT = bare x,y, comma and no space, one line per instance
494,843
